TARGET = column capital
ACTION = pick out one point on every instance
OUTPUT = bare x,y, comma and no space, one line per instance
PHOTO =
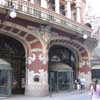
68,0
57,6
44,3
68,8
44,33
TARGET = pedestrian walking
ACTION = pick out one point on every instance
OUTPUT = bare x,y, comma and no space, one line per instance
95,90
75,84
78,87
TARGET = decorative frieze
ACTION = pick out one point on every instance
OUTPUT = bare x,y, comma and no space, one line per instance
45,33
38,59
84,65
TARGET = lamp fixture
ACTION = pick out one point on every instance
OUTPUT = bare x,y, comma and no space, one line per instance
10,11
85,36
13,13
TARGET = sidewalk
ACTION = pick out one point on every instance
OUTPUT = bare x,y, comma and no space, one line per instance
55,96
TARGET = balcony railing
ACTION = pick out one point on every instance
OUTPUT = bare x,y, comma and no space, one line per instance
48,15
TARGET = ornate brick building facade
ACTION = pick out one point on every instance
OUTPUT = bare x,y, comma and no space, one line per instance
47,45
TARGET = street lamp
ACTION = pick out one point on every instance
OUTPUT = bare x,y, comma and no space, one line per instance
12,11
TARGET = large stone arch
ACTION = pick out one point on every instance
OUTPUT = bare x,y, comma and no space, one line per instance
70,47
82,52
36,67
28,38
81,48
24,43
13,51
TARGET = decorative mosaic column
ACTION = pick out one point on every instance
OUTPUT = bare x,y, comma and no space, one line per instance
85,71
37,73
32,1
57,6
68,8
78,16
44,3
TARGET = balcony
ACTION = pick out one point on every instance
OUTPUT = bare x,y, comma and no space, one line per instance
47,15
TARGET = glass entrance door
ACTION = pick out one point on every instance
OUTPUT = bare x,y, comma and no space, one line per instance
52,81
64,80
4,82
59,81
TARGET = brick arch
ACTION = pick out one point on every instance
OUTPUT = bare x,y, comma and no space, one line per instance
65,44
83,49
24,43
72,44
25,37
35,56
71,48
22,33
78,46
82,54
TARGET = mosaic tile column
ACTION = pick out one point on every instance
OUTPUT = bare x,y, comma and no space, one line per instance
37,73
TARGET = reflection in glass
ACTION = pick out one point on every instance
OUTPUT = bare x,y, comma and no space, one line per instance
3,81
60,80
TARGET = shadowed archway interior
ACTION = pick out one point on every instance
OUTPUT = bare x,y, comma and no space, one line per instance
61,54
62,68
13,52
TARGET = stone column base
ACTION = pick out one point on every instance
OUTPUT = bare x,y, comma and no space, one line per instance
37,89
86,77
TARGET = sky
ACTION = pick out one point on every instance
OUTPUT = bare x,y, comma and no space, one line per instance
95,7
94,10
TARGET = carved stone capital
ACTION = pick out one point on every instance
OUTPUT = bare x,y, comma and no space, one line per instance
45,32
68,0
78,3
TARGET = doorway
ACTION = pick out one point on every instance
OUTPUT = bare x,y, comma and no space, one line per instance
13,52
62,68
5,78
60,78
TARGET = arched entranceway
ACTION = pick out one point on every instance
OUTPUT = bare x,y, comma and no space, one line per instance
63,68
13,52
